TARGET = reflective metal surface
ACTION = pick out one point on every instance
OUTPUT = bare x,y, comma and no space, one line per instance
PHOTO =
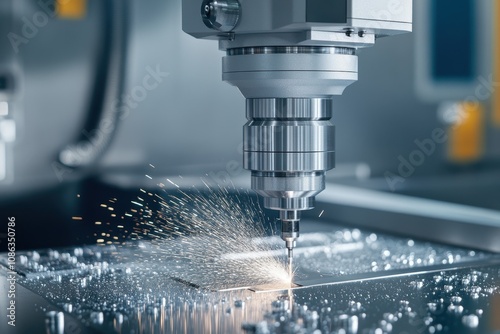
347,281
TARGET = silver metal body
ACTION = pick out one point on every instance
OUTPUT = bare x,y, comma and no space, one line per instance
289,58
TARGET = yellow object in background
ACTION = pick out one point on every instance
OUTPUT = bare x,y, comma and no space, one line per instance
71,9
466,136
496,65
495,309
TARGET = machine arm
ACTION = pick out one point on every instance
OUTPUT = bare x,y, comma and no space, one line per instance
289,58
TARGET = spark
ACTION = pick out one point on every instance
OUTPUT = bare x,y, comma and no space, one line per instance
208,235
172,183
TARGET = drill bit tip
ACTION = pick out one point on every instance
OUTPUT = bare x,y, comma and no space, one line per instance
290,263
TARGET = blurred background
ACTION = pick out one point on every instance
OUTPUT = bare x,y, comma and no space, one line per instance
95,94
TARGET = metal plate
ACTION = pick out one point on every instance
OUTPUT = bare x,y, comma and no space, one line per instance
346,284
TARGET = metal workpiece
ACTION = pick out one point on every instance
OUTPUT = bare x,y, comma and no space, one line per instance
343,277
